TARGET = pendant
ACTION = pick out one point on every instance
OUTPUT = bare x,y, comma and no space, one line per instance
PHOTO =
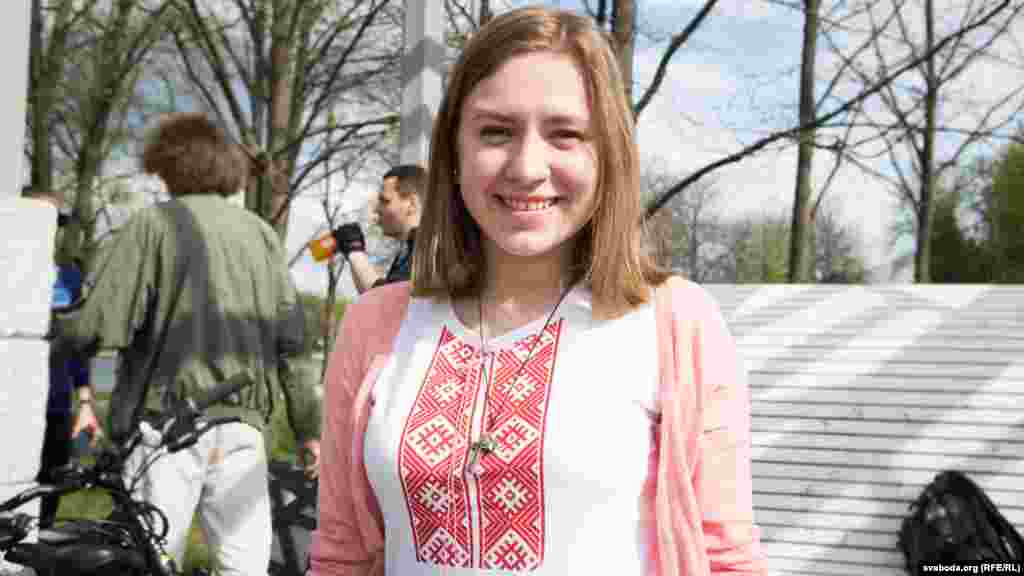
477,449
474,466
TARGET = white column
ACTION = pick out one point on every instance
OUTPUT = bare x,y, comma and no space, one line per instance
14,33
27,229
421,77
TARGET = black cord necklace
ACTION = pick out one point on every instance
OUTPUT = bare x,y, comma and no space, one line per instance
486,444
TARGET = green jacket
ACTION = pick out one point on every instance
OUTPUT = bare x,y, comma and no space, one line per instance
194,291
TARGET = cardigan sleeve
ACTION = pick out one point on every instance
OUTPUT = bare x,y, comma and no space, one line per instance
699,502
722,473
349,538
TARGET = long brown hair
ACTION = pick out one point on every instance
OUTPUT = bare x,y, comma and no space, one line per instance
608,253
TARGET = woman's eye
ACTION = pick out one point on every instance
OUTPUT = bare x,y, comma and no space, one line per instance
570,135
495,134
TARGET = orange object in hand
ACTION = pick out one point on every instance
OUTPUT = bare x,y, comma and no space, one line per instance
346,238
323,247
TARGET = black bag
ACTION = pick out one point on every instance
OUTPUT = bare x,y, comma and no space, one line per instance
293,499
953,521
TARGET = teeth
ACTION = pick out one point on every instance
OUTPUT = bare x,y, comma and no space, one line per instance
529,206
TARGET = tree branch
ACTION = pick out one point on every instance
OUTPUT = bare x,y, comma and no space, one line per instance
820,121
318,104
677,41
218,67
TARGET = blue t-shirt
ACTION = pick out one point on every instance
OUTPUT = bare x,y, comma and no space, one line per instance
66,373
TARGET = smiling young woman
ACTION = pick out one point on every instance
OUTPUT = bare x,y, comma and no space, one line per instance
542,399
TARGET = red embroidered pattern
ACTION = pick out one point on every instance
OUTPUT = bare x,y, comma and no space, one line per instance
507,498
511,494
433,443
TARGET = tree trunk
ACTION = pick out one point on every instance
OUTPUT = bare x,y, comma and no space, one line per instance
274,206
254,132
40,101
624,35
802,220
103,90
81,230
46,57
922,256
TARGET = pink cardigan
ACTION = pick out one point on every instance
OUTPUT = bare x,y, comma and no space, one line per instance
698,504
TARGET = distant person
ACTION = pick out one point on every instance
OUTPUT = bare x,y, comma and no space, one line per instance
68,373
398,208
195,291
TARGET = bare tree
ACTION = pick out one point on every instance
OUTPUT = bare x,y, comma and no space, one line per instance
738,239
837,256
842,113
619,17
86,58
47,49
912,115
802,213
346,170
273,69
688,234
829,111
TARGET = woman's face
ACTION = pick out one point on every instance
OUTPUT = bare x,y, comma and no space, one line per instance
527,164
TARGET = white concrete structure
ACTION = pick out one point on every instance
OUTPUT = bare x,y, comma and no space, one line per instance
27,229
421,78
860,395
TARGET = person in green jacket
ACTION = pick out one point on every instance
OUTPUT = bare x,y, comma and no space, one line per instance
194,291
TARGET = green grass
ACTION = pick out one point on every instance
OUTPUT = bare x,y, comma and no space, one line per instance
95,504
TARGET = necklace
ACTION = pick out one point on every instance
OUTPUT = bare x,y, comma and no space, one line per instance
486,444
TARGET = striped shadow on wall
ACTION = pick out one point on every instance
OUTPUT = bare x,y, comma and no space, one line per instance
860,395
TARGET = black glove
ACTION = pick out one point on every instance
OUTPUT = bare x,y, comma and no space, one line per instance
349,238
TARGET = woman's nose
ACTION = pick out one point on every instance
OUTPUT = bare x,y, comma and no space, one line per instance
530,161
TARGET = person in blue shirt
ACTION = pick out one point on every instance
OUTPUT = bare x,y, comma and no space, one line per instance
68,374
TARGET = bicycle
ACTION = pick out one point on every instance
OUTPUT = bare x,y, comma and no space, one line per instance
130,541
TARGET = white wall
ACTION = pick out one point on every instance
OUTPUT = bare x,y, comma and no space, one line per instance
860,395
27,231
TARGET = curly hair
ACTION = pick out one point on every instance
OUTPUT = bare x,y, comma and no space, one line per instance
192,155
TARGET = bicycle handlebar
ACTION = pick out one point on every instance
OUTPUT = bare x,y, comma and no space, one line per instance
182,432
222,390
